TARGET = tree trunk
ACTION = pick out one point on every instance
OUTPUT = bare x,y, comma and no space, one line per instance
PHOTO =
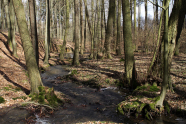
128,46
33,27
47,33
92,31
12,28
172,33
66,31
31,63
88,20
102,25
145,31
76,34
81,28
118,48
2,15
8,23
109,30
136,46
165,67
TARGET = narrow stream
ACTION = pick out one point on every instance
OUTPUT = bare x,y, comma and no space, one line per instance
91,105
87,104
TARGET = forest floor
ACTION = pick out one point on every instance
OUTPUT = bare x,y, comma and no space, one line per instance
101,73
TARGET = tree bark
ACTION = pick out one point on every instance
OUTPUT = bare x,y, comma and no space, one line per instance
31,63
33,27
118,48
12,28
165,67
109,30
66,31
128,46
76,34
8,23
47,33
81,28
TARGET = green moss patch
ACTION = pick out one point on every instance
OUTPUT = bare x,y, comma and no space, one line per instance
21,97
46,96
154,88
2,100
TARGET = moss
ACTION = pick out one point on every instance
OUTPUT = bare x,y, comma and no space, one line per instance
22,97
122,60
139,110
154,89
167,107
46,96
145,93
152,106
147,114
120,109
156,99
107,81
74,72
141,88
2,100
6,88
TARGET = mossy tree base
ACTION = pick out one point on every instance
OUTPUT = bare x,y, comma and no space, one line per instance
47,96
142,106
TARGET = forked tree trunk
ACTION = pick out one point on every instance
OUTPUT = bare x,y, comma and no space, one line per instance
66,31
165,66
31,63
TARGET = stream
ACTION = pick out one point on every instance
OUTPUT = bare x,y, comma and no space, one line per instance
87,104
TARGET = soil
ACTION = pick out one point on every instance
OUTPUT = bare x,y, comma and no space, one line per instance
84,89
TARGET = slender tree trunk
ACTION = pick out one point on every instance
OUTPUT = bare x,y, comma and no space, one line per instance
76,37
33,27
47,33
118,48
145,32
139,21
115,27
136,46
31,63
157,12
128,46
85,33
2,15
12,28
8,23
81,27
88,20
92,40
66,31
102,25
165,67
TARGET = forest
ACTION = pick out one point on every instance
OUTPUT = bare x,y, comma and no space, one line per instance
92,61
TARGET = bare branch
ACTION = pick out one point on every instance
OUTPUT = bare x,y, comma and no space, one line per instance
156,4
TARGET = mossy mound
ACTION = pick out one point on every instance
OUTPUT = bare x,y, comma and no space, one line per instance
140,105
2,100
47,96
